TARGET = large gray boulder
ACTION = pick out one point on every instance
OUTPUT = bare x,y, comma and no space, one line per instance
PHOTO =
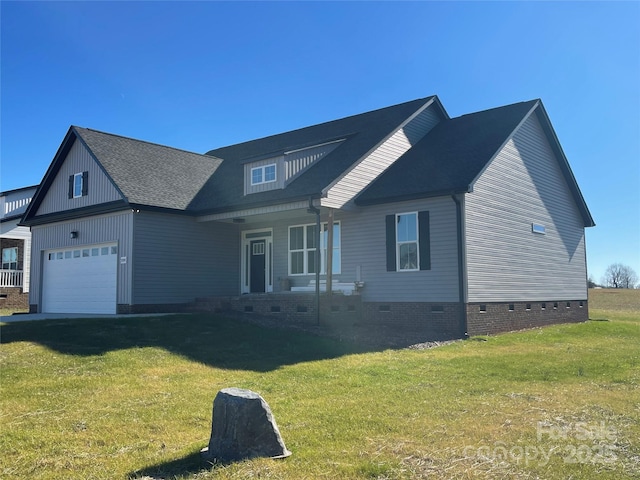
243,427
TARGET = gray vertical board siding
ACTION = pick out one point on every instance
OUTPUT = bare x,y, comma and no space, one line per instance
79,160
177,259
364,246
361,175
263,187
506,261
299,160
112,228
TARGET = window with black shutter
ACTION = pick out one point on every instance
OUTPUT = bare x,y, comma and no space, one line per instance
79,185
408,242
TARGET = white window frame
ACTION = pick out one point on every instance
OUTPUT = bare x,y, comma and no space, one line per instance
337,248
77,185
263,174
408,242
247,237
10,263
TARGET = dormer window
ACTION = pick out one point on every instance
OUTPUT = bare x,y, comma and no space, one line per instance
276,170
263,174
78,185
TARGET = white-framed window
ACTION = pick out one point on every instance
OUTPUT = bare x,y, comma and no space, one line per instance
263,174
303,251
77,185
10,258
407,253
258,248
408,244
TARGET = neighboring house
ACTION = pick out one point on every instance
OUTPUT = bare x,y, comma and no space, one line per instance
440,226
15,244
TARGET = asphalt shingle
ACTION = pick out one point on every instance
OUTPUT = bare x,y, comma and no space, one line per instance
449,157
150,174
225,189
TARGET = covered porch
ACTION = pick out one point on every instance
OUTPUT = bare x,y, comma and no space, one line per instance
290,248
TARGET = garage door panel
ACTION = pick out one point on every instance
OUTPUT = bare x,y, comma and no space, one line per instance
80,280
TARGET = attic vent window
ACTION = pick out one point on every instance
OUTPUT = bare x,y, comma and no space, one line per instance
537,228
263,174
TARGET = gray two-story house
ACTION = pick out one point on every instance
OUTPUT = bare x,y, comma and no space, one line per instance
445,226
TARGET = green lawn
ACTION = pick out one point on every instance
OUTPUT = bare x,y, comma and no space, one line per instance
132,398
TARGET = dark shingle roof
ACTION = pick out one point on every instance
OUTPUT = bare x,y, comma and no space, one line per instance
147,173
447,160
362,132
449,157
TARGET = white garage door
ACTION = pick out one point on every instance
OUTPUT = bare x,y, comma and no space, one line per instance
80,280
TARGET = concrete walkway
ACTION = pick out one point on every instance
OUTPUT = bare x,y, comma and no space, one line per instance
27,317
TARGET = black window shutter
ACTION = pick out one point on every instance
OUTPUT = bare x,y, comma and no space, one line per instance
424,240
70,186
85,183
391,243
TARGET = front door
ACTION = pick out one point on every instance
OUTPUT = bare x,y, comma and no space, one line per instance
257,265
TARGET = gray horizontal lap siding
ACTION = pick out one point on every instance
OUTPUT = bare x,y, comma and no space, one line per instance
364,246
280,237
100,190
177,259
360,176
506,261
112,228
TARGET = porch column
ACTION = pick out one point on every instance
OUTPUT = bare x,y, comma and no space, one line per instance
330,255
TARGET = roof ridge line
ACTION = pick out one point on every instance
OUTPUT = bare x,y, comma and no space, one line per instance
76,127
496,108
424,99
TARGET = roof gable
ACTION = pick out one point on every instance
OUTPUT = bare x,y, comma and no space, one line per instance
453,155
449,157
140,173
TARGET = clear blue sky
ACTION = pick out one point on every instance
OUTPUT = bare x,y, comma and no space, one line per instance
206,74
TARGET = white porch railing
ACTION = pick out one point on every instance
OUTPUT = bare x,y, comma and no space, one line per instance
11,278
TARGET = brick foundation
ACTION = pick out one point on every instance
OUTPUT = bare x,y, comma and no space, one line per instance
13,298
392,324
414,321
489,318
153,308
288,307
347,317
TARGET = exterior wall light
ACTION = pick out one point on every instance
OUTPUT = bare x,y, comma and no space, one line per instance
74,234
